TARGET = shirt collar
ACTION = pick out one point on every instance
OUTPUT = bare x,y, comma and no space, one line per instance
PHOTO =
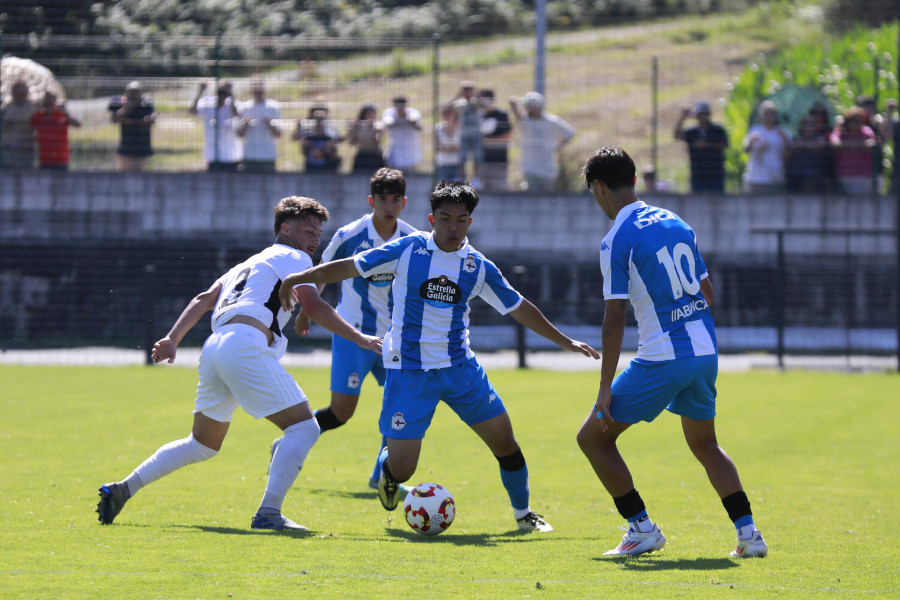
462,252
628,209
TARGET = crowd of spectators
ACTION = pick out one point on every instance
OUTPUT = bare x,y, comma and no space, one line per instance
826,154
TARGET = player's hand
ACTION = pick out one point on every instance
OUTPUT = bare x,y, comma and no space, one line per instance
287,295
586,349
164,349
371,343
601,408
301,324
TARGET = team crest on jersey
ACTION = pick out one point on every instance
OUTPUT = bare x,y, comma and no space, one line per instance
381,279
363,245
398,422
353,380
470,265
440,292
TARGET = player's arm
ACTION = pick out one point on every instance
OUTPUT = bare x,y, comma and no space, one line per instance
612,334
531,317
330,272
322,313
202,303
708,293
302,322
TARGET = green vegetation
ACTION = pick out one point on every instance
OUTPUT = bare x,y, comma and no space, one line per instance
862,61
814,450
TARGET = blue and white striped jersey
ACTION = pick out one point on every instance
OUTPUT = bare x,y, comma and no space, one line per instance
650,257
432,290
365,302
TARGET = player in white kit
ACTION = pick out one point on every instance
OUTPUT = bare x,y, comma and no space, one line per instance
650,258
239,364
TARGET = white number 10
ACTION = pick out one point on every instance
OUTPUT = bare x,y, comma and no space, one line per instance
681,282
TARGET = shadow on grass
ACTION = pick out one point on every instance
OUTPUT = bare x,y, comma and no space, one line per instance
366,494
467,539
659,563
294,533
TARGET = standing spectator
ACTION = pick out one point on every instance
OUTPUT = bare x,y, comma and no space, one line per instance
365,133
469,114
405,127
258,129
135,116
496,129
318,141
51,124
447,157
706,144
769,147
541,135
878,123
221,147
17,135
808,169
854,144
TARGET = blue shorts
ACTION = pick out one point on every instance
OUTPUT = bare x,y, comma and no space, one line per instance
412,395
350,364
684,386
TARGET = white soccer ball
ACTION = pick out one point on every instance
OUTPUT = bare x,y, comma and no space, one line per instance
429,508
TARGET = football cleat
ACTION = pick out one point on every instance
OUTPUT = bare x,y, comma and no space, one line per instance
755,546
275,521
635,542
388,493
113,497
533,522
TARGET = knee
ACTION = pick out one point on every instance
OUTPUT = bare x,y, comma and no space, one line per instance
343,413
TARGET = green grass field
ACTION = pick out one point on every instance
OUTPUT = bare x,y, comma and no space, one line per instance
818,453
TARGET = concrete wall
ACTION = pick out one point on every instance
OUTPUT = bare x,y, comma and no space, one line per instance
84,206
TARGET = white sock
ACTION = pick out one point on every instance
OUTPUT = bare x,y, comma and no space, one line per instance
518,513
169,458
287,462
746,532
644,525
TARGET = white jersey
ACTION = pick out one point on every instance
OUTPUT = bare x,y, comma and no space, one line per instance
432,290
251,288
365,302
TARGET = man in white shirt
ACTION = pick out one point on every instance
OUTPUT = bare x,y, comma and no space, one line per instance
222,147
405,127
258,129
541,135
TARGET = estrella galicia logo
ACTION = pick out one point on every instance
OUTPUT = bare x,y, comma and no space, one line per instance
440,292
381,279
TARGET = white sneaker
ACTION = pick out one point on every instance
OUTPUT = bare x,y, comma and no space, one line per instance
635,542
754,547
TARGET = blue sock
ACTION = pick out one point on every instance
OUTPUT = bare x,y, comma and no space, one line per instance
377,471
638,517
743,521
516,484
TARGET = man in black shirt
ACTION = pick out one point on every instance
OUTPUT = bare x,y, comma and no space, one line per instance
496,129
706,142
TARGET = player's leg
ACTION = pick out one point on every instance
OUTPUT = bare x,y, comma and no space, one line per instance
410,399
696,404
639,393
213,409
300,434
723,475
349,366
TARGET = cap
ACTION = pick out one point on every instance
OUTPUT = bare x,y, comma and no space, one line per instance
702,107
533,99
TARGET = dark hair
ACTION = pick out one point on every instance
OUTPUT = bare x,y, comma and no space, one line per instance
612,166
387,181
366,108
454,192
298,207
486,93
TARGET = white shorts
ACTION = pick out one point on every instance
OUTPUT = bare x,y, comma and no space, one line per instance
237,368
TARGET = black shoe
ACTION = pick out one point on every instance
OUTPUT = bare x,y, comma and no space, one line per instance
388,492
113,497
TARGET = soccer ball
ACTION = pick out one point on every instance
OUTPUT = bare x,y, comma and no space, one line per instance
429,508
